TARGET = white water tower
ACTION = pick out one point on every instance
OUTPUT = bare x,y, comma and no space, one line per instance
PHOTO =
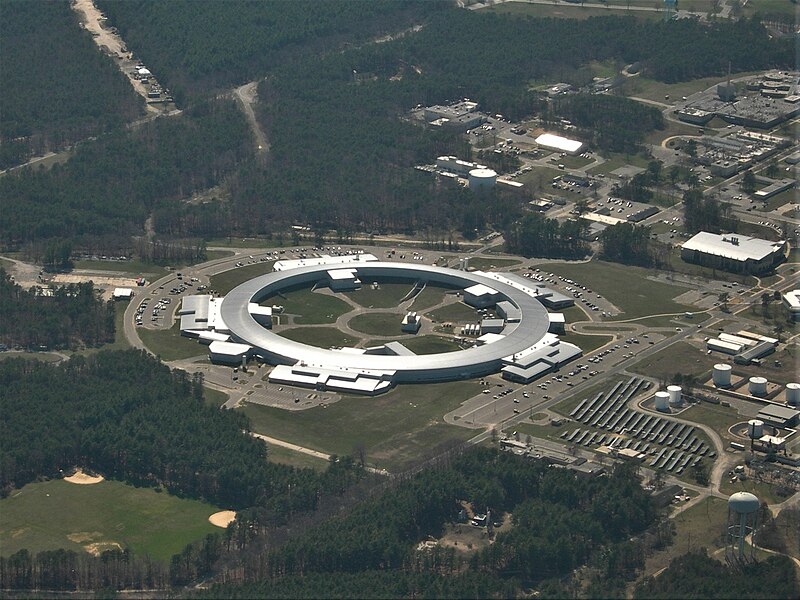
742,523
721,375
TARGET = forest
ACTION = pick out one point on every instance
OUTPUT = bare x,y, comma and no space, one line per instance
696,575
126,415
560,522
610,123
57,88
73,317
202,45
109,187
342,149
536,235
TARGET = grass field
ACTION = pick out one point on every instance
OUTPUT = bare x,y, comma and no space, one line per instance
702,525
284,456
716,416
625,286
575,162
482,264
321,337
651,89
388,294
377,323
134,268
567,11
48,357
430,344
765,491
615,160
57,514
310,308
395,428
430,296
457,312
678,358
214,398
224,282
587,343
169,344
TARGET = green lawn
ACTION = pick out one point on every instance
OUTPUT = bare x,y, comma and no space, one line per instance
587,343
214,398
763,490
430,344
169,344
566,11
285,456
321,337
224,282
678,358
716,416
700,526
388,294
651,89
377,323
480,263
135,268
430,296
56,514
625,286
310,308
615,160
575,162
457,312
396,428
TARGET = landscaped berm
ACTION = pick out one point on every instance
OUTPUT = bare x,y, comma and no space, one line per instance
104,516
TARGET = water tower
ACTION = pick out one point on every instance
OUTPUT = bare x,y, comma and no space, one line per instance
742,523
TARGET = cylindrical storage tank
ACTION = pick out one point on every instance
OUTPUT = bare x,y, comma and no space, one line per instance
674,392
758,386
662,401
721,375
793,394
482,179
743,503
755,429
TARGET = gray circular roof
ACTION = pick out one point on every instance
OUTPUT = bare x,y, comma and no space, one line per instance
743,503
531,329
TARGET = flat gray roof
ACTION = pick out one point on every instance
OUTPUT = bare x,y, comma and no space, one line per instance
449,365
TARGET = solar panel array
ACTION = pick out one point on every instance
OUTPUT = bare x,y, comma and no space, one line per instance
671,445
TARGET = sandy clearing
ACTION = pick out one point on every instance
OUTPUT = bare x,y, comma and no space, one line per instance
222,518
82,478
97,548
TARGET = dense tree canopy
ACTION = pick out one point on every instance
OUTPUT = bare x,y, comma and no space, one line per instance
57,87
69,316
110,186
536,235
129,417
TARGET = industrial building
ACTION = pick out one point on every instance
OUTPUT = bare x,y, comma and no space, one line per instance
549,141
523,349
411,323
342,280
459,116
791,300
778,416
735,253
767,101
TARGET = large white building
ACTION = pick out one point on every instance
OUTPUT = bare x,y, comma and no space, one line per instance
733,252
791,300
559,144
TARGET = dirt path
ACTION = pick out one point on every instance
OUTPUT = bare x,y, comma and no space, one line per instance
110,43
247,95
